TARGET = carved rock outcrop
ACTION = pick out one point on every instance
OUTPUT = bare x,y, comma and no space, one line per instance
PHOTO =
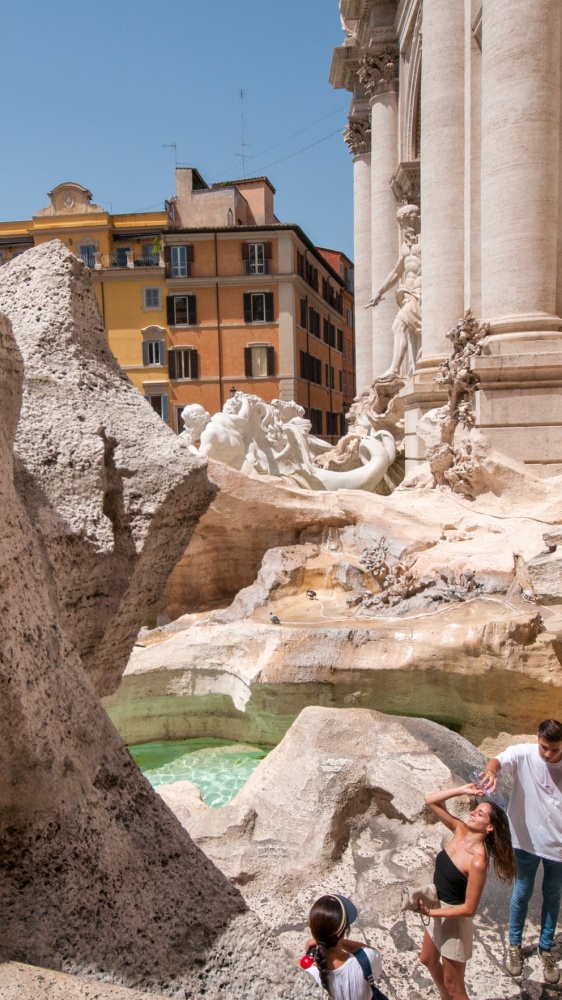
96,874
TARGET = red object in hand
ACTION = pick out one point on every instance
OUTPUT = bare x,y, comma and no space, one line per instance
306,962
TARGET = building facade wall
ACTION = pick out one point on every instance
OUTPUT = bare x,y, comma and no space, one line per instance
479,132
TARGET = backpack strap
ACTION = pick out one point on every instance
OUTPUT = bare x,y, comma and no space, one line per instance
363,959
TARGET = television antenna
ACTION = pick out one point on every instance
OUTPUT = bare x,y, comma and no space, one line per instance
172,145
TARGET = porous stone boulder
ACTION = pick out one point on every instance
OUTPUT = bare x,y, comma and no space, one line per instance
338,807
113,494
96,874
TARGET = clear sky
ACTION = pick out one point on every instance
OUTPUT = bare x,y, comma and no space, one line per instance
92,91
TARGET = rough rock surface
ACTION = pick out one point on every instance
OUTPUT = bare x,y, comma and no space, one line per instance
96,875
27,982
112,492
338,807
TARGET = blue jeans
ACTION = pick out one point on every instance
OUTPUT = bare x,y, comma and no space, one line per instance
527,866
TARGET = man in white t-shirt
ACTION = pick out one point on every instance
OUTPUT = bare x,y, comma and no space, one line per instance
535,817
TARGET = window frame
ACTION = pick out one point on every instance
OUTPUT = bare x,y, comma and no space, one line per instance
145,305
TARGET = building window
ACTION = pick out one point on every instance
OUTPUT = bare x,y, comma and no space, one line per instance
153,352
183,363
258,307
119,256
315,417
313,322
179,262
151,298
181,310
87,255
340,341
257,257
329,333
332,424
259,360
178,419
311,368
159,403
150,257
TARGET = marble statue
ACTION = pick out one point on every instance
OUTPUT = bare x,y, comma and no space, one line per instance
273,439
406,328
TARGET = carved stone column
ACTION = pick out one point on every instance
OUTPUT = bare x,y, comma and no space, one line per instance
379,76
520,164
442,175
357,134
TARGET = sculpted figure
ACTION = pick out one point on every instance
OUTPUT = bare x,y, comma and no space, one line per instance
273,439
195,419
406,328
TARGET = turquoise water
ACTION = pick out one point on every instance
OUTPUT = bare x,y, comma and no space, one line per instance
217,767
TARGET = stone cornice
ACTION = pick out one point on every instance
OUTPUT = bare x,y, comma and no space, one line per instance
357,135
405,183
378,71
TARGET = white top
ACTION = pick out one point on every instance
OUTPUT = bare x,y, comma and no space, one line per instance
348,982
535,806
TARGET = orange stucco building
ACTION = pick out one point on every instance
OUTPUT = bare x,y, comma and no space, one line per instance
211,294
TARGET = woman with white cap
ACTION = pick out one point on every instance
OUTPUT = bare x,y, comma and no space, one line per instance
344,968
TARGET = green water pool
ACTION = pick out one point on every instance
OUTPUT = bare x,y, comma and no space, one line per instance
217,767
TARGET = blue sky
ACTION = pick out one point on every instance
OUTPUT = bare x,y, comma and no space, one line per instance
92,91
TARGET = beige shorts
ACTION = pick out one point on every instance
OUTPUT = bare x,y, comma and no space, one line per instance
452,936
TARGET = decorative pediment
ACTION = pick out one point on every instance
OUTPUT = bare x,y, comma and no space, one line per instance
70,199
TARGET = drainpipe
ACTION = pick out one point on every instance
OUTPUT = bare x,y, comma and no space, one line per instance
219,332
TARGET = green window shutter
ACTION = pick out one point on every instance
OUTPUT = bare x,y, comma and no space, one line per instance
170,310
165,409
144,353
267,250
269,307
168,261
161,352
247,307
194,364
172,364
189,253
245,251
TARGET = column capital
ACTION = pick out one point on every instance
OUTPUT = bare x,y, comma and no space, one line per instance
378,71
357,135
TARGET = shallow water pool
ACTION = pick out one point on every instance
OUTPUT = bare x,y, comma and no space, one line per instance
217,767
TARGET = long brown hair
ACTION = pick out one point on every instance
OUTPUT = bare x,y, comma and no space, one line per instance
328,923
498,844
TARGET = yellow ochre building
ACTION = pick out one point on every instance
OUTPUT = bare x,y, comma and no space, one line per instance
212,294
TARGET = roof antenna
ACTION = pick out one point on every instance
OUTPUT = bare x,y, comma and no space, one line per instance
172,145
242,124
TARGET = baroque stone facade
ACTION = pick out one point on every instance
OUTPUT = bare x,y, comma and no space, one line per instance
467,126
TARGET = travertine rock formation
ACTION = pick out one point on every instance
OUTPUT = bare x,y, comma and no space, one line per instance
338,807
96,875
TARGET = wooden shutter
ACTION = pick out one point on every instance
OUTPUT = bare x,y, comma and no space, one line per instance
269,307
165,409
267,249
145,360
189,253
247,307
170,309
161,353
248,362
194,364
172,364
271,361
245,251
192,310
168,261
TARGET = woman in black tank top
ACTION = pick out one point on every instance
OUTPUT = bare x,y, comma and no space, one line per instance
460,875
